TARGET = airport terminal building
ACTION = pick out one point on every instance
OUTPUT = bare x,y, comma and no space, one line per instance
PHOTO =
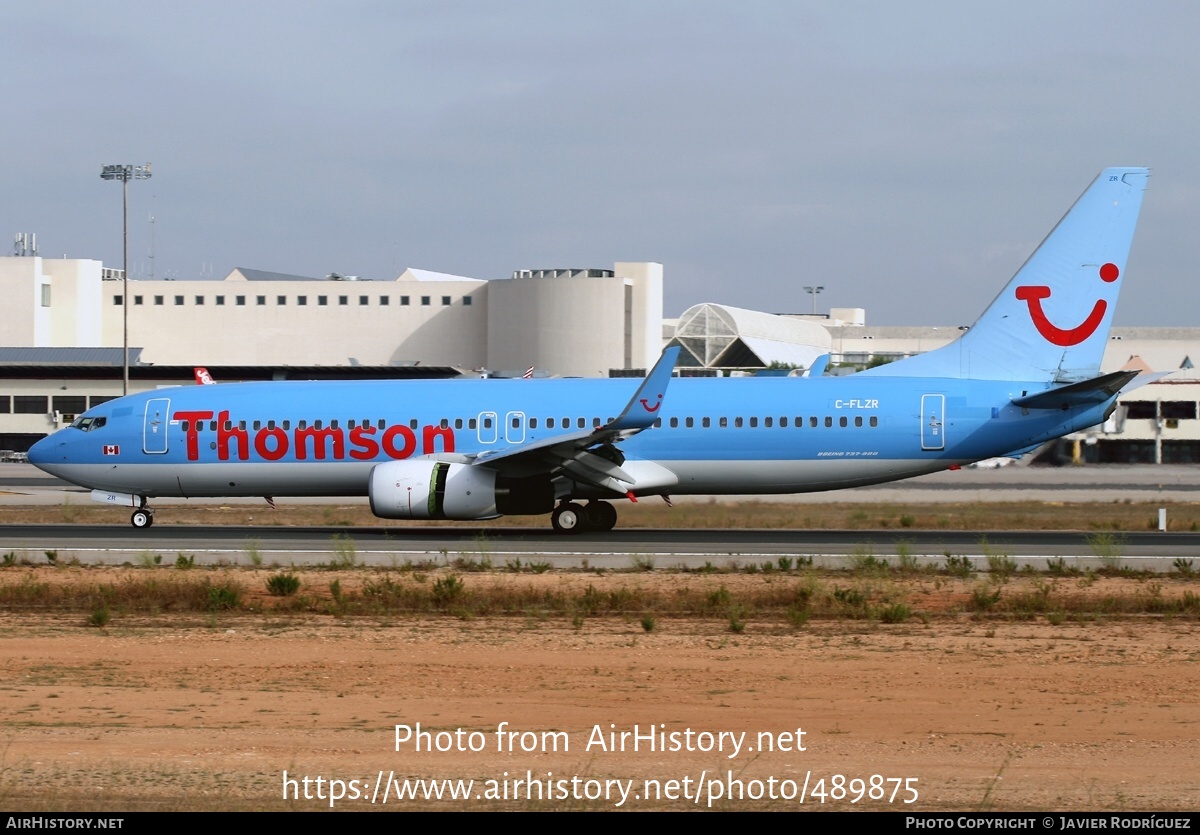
564,322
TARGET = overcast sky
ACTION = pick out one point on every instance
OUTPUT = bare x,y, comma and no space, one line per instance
907,156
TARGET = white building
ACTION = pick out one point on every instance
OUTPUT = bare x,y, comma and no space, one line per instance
51,302
577,323
560,322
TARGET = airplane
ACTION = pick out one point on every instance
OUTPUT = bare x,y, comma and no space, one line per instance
1026,372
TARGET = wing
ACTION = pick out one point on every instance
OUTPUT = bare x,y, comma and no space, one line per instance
591,456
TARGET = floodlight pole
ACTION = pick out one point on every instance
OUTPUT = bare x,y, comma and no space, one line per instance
125,173
813,291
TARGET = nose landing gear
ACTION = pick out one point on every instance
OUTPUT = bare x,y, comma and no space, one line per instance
143,517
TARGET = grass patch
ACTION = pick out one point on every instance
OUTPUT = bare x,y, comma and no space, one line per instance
984,597
777,600
283,585
221,597
345,554
447,590
1057,567
1001,565
864,561
906,561
737,619
1108,547
850,603
254,552
895,613
959,566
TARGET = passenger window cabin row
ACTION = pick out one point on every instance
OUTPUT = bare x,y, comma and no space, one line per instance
771,422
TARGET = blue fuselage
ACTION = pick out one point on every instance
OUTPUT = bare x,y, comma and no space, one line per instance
750,435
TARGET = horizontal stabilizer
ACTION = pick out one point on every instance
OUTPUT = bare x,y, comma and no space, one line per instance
1095,390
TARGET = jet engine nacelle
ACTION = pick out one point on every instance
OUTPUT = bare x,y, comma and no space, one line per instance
424,489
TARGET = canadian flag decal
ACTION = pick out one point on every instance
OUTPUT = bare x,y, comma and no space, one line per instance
111,449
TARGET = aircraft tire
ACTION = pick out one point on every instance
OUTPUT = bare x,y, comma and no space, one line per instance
141,519
601,516
569,518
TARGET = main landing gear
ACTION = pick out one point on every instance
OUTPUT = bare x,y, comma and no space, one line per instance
570,517
143,517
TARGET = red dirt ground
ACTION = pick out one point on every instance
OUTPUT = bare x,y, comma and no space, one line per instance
208,712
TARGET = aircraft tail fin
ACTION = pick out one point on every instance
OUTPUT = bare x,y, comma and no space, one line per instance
1051,321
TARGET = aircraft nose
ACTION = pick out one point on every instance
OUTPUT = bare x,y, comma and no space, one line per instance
42,452
56,455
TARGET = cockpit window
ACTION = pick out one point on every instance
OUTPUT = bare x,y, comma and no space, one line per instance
86,423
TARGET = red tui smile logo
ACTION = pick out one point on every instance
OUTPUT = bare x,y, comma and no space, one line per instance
1033,295
649,408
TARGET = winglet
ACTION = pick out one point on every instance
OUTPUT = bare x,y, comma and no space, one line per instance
640,413
642,409
818,367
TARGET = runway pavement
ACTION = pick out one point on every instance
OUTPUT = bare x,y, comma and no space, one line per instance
395,545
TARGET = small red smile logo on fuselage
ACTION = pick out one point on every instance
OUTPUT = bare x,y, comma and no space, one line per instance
1033,295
